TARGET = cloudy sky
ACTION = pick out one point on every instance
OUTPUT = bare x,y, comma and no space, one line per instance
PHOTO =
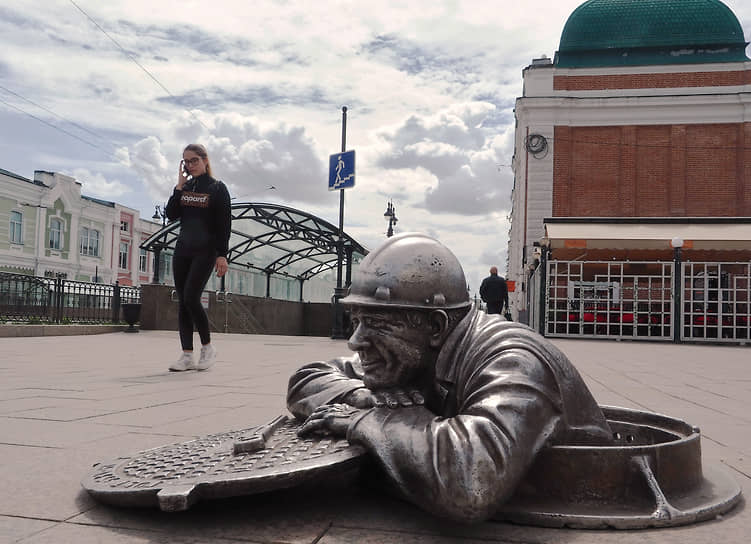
111,92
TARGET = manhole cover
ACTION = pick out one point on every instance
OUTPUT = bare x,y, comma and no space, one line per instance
228,464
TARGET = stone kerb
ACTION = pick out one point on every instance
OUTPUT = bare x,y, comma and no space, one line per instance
243,314
19,330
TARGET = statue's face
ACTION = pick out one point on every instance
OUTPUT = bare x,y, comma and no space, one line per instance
393,346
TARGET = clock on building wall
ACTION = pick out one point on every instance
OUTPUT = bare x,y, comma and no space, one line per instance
537,145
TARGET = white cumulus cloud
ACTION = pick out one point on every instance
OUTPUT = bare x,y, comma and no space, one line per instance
95,184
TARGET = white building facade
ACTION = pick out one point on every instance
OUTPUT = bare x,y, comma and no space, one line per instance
48,228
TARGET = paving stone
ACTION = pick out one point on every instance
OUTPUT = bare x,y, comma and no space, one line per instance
292,516
14,529
83,534
56,434
130,402
42,484
13,406
256,413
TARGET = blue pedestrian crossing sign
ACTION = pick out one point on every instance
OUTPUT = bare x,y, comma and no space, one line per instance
342,170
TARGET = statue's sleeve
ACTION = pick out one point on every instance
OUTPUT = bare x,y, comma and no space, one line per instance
465,466
322,382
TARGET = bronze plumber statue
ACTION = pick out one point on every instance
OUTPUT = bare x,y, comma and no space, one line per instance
468,415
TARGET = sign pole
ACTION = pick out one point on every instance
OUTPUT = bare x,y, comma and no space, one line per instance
338,330
341,207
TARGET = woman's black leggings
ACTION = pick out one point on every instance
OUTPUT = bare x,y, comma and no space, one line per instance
191,275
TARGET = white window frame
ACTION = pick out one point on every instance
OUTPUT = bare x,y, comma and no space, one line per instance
143,261
122,259
89,245
124,226
15,228
56,234
167,264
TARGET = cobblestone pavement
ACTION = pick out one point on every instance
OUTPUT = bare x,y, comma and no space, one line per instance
69,402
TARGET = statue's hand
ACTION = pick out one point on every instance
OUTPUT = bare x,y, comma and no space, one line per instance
360,398
333,419
397,398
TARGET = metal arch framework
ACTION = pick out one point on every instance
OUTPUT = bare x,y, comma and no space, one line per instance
308,244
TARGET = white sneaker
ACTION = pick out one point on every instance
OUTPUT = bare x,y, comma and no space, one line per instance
208,355
185,362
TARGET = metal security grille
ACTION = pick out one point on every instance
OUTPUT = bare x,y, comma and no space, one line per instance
609,299
716,301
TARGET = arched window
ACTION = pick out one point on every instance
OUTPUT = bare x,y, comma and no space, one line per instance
56,234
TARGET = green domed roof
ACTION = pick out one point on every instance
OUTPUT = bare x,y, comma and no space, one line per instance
630,32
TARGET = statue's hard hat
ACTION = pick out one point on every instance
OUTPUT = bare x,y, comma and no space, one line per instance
409,270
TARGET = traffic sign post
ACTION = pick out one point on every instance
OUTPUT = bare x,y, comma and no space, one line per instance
341,176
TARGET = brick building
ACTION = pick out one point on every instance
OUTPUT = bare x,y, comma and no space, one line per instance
635,138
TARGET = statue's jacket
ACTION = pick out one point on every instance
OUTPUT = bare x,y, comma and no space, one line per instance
501,393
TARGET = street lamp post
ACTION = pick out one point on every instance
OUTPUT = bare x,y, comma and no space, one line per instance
159,213
390,213
677,245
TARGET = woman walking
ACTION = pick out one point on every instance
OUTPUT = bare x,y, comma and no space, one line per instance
202,204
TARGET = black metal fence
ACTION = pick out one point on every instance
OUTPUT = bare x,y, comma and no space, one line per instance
59,300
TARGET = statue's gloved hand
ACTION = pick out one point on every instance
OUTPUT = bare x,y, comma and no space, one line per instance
390,398
397,398
333,419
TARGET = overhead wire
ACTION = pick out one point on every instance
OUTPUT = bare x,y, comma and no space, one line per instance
75,136
9,91
132,58
68,133
60,129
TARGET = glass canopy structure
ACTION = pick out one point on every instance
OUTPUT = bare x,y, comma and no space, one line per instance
276,240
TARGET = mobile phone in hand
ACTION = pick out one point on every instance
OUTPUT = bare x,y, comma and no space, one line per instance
183,170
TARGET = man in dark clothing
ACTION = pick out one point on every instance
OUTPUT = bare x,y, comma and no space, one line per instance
494,292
